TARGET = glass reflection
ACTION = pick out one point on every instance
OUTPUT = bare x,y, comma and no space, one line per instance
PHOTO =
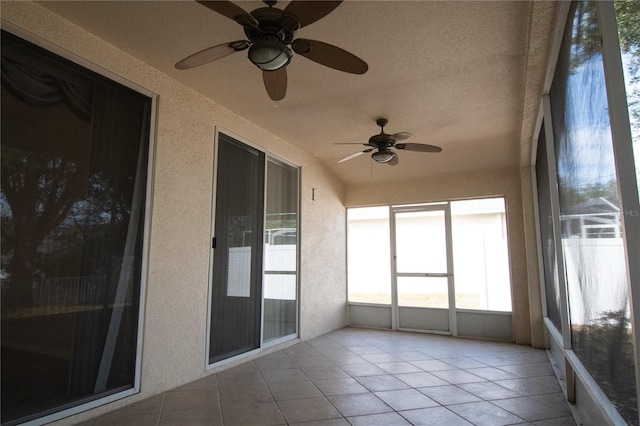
590,215
73,189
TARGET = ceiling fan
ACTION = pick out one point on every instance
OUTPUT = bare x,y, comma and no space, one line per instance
272,36
382,144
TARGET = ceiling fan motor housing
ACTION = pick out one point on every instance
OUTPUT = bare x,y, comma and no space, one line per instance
381,141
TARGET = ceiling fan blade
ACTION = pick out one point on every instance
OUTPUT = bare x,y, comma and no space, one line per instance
329,56
420,147
276,83
357,154
401,136
394,161
212,54
308,12
231,11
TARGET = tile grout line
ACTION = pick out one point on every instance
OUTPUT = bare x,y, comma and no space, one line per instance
269,388
219,399
164,397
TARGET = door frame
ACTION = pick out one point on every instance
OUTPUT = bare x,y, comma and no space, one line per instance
445,207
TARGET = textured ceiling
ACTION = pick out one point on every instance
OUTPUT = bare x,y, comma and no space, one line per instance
457,74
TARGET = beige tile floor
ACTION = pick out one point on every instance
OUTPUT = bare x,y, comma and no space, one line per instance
368,377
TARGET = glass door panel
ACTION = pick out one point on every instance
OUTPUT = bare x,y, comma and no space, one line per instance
237,260
280,257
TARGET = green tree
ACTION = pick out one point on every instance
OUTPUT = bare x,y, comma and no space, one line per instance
628,17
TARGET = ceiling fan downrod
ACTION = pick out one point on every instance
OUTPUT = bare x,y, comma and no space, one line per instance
381,122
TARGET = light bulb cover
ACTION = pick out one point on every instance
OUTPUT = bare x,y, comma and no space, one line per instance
383,156
269,55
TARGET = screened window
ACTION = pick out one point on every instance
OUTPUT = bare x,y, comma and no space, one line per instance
550,264
74,170
592,243
480,255
368,254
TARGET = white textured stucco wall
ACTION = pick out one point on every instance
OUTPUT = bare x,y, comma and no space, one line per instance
323,240
452,187
176,300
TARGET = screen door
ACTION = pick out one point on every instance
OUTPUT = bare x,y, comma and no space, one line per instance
238,250
422,267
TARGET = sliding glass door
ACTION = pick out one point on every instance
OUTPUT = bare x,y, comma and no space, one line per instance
75,150
254,288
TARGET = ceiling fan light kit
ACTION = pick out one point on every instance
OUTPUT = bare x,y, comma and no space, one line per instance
383,142
383,156
270,55
271,33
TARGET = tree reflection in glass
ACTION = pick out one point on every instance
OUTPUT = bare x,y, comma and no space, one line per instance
628,19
